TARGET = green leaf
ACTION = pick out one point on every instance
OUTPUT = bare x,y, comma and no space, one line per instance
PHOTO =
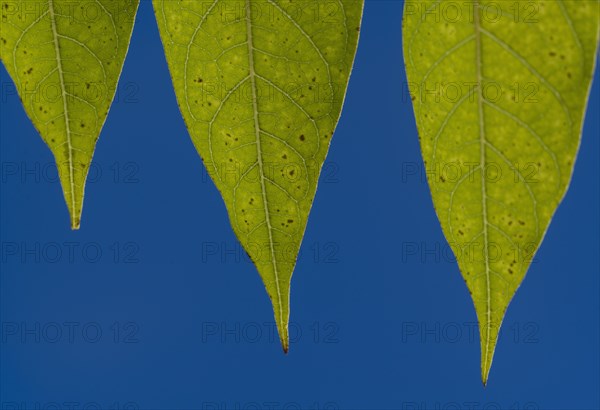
261,84
65,58
499,92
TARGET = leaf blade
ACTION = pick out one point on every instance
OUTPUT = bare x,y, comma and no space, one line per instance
543,49
247,76
65,59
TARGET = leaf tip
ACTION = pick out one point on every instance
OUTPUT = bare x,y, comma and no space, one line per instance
484,377
75,223
486,366
284,338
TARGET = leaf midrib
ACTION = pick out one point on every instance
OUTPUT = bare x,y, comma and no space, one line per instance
482,163
252,76
65,109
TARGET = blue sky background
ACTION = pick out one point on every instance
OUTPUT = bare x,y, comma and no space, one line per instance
183,317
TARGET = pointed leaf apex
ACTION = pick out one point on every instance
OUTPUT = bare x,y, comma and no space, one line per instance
272,142
286,347
283,330
71,121
75,222
489,332
485,373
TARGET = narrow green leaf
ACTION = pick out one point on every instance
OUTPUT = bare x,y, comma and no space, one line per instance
260,84
65,59
499,91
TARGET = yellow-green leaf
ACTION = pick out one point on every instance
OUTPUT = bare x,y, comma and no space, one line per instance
260,84
65,58
499,92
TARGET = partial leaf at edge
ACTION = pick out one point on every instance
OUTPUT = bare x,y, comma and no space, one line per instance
260,84
499,91
65,59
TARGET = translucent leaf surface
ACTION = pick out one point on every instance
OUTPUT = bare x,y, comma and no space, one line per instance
499,92
65,58
260,85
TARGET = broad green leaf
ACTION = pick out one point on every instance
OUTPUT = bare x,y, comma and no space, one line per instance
65,58
499,92
260,84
